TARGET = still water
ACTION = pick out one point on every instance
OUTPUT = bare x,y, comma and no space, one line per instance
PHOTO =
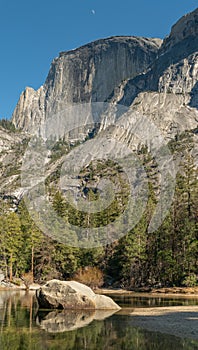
24,327
148,300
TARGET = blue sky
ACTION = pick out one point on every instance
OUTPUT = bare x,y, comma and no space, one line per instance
34,32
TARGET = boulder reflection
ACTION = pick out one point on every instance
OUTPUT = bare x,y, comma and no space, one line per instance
69,320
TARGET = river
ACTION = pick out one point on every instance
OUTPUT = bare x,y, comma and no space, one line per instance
24,327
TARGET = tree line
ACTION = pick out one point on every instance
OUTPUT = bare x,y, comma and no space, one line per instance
166,257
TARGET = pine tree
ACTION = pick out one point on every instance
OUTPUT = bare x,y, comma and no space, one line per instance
32,237
12,242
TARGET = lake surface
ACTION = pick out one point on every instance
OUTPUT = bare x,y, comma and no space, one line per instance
23,327
148,300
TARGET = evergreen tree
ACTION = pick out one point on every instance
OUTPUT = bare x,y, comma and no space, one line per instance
11,243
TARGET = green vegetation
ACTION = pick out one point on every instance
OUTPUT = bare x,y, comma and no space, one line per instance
166,257
7,124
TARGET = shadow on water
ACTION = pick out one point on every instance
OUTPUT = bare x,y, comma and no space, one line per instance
22,327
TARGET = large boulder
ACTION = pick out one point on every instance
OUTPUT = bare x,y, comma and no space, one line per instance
57,294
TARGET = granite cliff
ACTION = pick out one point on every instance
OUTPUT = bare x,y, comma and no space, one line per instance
168,91
152,78
89,73
156,78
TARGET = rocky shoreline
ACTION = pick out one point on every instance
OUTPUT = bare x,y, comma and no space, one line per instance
5,285
153,291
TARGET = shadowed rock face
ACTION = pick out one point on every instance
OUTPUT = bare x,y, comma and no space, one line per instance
89,73
57,294
175,69
185,28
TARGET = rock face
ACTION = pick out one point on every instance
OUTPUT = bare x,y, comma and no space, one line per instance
168,92
8,140
125,71
155,79
175,68
89,73
72,295
12,145
186,28
29,112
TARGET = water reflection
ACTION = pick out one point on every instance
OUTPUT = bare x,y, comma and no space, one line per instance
67,320
22,327
17,309
148,300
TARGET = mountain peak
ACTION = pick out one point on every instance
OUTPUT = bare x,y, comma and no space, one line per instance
88,73
115,40
185,28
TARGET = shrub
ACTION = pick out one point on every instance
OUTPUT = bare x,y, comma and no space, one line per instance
91,276
190,280
27,278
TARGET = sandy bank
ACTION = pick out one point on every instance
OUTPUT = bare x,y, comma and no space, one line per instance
173,291
181,321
